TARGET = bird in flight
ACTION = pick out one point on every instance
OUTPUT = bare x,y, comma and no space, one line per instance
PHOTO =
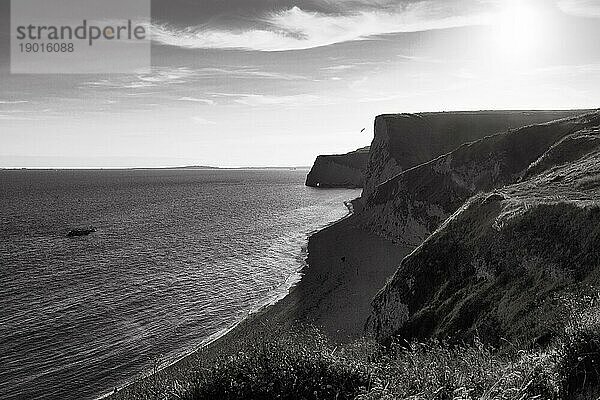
362,130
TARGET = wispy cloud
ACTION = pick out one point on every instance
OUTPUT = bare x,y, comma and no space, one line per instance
164,77
202,121
296,29
338,67
267,100
270,100
13,101
26,115
158,77
195,100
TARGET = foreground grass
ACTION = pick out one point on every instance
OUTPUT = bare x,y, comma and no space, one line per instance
277,364
289,366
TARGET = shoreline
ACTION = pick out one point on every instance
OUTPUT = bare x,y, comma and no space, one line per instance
345,267
279,295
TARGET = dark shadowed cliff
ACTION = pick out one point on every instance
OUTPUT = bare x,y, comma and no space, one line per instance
408,207
404,210
513,258
403,141
340,170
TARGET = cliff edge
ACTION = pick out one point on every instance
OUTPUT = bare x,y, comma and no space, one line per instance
520,245
340,170
403,141
408,207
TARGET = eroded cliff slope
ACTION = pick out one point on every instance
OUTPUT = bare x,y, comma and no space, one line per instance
403,141
408,207
509,263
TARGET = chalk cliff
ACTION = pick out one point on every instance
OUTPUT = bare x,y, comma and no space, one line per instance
340,170
403,141
408,207
516,240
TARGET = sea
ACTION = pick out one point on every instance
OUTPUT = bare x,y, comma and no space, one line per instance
178,257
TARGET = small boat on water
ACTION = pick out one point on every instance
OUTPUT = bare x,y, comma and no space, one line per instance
81,231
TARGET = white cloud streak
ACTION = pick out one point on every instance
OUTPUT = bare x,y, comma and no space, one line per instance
268,100
296,29
202,121
195,100
13,101
162,77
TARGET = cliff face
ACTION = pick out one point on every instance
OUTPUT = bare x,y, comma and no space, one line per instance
403,141
506,263
339,171
408,207
481,260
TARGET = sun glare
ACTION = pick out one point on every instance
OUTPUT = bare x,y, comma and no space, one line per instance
519,30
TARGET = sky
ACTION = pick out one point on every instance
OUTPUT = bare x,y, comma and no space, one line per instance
277,82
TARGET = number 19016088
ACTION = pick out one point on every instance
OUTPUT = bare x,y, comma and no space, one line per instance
46,47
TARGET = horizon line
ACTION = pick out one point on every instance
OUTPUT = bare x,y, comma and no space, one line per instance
184,167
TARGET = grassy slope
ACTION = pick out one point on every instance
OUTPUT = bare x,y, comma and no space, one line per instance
303,364
504,266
